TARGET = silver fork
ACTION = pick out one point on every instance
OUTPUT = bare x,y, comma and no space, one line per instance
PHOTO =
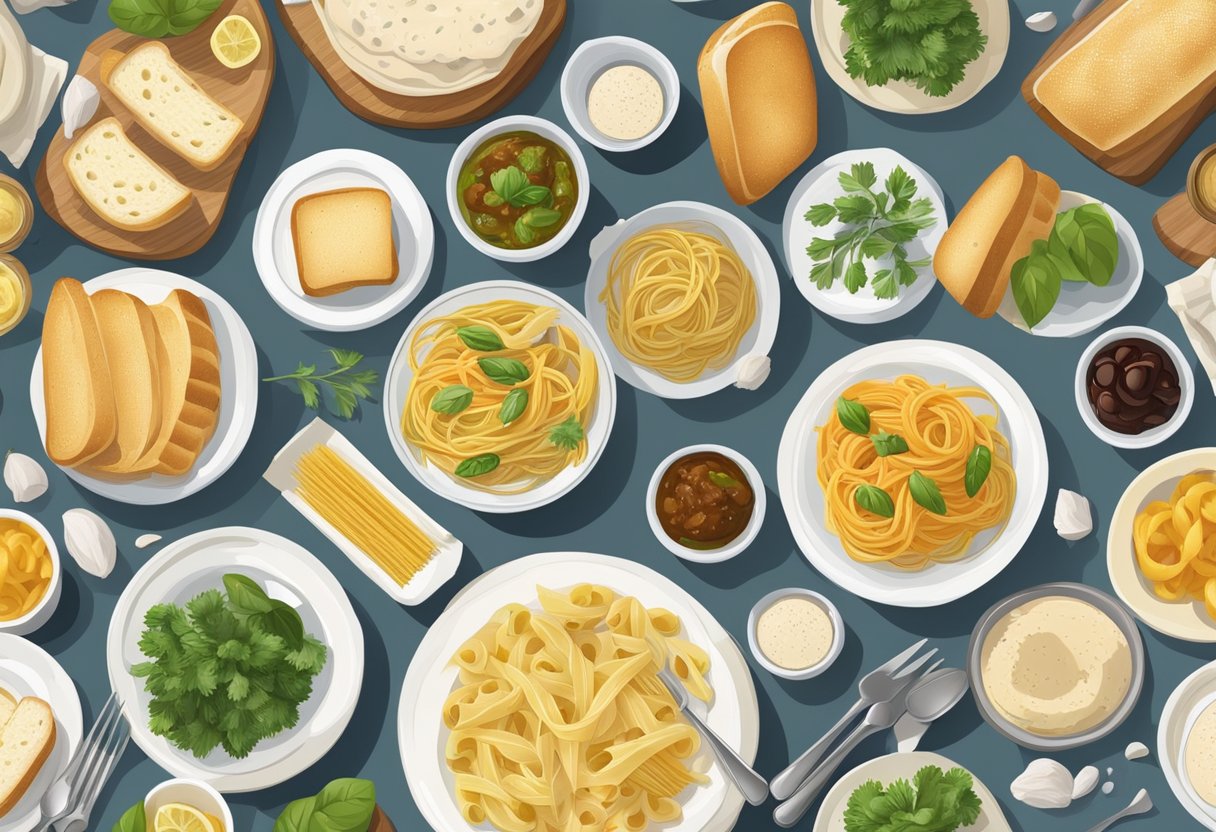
94,771
55,803
745,778
879,685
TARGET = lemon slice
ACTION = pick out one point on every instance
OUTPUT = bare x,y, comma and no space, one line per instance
178,817
235,42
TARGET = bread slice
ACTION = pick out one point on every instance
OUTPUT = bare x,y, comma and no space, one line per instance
758,93
8,704
1012,208
170,105
119,182
128,331
26,741
81,417
344,239
190,385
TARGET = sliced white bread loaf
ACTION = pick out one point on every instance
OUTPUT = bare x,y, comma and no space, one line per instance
344,239
171,105
8,704
119,182
26,741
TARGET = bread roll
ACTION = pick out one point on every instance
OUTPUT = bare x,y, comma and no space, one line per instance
758,93
1014,206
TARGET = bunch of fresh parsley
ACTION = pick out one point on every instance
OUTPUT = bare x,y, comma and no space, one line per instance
935,801
231,669
877,224
925,42
347,384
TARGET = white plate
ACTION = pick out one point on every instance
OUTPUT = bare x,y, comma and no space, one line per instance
1083,307
757,341
238,400
733,714
939,583
827,17
400,376
28,670
197,563
821,185
1187,620
903,767
274,246
1178,716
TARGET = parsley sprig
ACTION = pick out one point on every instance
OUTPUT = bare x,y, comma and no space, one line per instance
933,801
347,384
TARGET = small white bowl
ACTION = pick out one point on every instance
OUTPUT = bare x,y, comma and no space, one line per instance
509,124
823,664
1153,436
590,61
735,546
194,793
44,609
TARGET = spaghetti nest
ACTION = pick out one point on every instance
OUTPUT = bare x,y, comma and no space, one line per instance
679,301
1175,542
501,395
945,472
559,722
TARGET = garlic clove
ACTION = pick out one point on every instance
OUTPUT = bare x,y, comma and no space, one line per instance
1135,751
89,541
1041,22
24,477
1108,787
79,105
1045,784
753,372
146,540
1073,517
1087,780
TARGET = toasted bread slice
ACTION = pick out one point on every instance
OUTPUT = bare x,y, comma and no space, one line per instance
81,417
26,741
344,239
8,704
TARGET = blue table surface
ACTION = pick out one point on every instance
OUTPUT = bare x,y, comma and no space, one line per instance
605,513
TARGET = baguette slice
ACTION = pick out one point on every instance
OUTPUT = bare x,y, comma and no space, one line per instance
758,92
128,331
170,105
344,239
8,704
119,182
26,741
81,418
1015,206
190,385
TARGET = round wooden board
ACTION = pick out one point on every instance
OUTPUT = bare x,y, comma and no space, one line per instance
424,112
1187,235
381,823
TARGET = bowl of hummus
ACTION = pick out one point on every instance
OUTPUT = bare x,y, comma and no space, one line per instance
1056,666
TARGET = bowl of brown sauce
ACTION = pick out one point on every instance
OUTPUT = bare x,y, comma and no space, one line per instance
706,503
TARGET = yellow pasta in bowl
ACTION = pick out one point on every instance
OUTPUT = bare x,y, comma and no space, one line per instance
1175,542
28,573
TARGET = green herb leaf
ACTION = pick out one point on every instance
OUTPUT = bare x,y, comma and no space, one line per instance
532,195
513,406
885,285
246,595
532,158
297,816
723,480
492,199
874,500
133,820
282,621
524,232
541,217
508,371
819,215
1086,235
508,182
979,463
855,276
347,384
161,18
926,493
477,466
568,434
853,415
480,338
1035,284
345,805
889,444
452,399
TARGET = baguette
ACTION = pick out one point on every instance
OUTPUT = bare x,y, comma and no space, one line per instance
758,93
26,741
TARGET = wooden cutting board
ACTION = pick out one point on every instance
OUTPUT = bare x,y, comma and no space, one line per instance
1139,158
1188,236
243,90
426,112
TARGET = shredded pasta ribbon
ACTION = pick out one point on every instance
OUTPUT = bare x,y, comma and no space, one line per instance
1175,542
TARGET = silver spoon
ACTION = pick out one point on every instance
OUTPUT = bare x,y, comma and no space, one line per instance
930,698
1140,804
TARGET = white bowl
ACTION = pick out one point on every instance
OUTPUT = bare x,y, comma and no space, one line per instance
591,60
1177,720
194,793
553,133
45,608
735,546
1153,436
772,598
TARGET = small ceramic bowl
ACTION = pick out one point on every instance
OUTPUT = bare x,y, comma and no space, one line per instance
590,61
27,292
796,592
511,124
735,546
45,608
19,193
194,793
1202,206
1153,436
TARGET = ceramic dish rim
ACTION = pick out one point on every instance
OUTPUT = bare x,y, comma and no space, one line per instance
47,604
1172,764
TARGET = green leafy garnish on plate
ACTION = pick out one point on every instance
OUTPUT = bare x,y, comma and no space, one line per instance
926,493
513,406
979,463
888,444
934,801
480,338
874,500
513,187
347,384
452,399
853,415
568,434
344,805
508,371
478,465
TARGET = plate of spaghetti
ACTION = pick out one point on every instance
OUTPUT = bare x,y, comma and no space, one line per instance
912,472
499,397
488,740
683,295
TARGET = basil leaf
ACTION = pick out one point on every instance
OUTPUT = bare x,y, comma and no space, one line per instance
853,415
1035,284
478,465
480,338
452,399
282,621
874,500
530,195
345,805
132,820
508,181
246,596
160,18
1088,235
296,816
539,217
524,232
722,480
513,406
888,444
508,371
926,493
979,463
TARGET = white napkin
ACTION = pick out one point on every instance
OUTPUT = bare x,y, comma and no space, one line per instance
1192,301
27,6
46,79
